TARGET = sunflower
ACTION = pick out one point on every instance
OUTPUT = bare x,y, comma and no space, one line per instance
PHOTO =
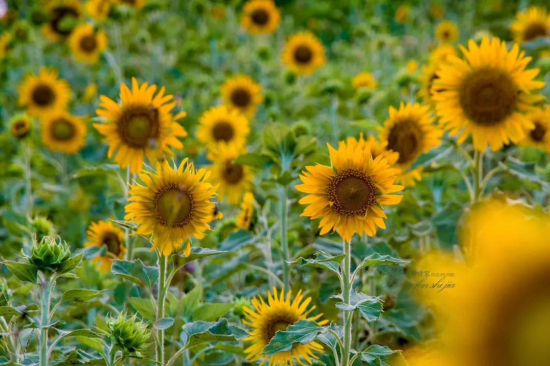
233,179
142,125
245,218
531,24
412,67
402,14
539,136
485,94
20,126
260,17
62,18
349,195
509,309
63,132
104,233
304,53
364,80
446,32
43,94
99,10
87,44
409,132
5,40
89,93
174,206
223,125
277,314
242,93
442,53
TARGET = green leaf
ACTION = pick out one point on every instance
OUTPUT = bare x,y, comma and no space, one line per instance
322,260
197,253
237,240
434,156
70,264
94,343
370,307
376,355
377,259
303,332
77,295
23,271
196,333
97,170
211,311
144,307
135,272
82,333
163,324
191,301
254,160
8,311
522,170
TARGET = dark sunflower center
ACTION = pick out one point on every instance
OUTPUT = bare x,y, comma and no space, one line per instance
488,96
173,206
352,193
278,324
233,173
405,138
138,127
446,34
538,133
20,125
113,244
240,97
43,95
62,130
62,15
535,30
223,131
303,54
88,43
260,17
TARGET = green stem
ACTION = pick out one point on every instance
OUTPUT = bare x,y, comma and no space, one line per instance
28,178
129,244
477,170
47,286
284,237
162,264
346,292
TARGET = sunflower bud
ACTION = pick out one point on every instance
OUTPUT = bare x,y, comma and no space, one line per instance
42,227
49,255
128,334
5,295
240,304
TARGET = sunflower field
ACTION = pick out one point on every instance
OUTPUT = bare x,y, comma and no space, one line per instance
275,182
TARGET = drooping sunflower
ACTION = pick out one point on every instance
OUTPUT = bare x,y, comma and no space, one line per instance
304,53
104,233
20,126
62,18
364,80
409,131
99,10
174,206
531,24
233,179
277,314
43,94
142,125
486,93
63,132
348,196
242,93
446,32
260,17
245,217
539,136
223,125
87,44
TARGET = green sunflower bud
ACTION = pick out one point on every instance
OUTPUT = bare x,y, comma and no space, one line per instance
42,227
49,255
240,304
129,334
363,95
301,128
5,294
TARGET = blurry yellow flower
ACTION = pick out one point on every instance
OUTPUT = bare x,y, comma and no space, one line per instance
486,93
223,125
89,93
242,93
20,126
442,53
63,132
402,13
446,32
5,40
218,12
539,136
174,206
99,10
87,44
246,215
364,80
104,233
63,16
437,10
412,66
531,24
304,53
349,195
260,17
44,94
